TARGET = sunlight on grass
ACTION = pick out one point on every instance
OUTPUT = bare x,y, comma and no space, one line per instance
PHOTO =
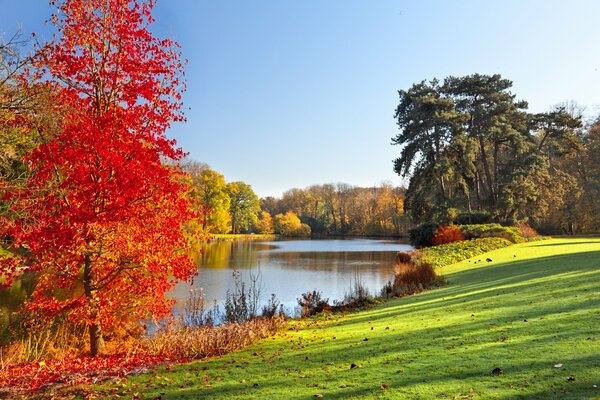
534,306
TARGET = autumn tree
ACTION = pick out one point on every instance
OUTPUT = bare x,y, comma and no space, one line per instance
265,223
342,209
289,224
244,206
103,213
210,194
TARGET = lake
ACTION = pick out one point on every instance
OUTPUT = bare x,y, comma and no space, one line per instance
289,268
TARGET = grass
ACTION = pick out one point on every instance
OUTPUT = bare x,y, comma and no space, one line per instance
536,305
450,253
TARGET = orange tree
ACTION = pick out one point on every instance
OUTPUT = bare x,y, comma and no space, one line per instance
102,214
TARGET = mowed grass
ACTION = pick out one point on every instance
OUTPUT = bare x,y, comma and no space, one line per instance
536,305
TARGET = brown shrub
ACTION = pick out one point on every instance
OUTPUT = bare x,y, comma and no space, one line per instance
447,234
410,279
312,303
404,257
527,231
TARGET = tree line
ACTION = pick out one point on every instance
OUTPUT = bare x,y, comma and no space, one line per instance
473,152
318,210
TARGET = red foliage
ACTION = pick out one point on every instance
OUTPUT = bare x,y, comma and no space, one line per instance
102,216
73,371
447,234
527,231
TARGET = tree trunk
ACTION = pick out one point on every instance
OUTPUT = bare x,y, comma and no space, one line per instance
477,194
95,329
488,174
96,339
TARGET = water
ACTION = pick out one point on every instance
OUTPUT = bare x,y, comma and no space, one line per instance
289,268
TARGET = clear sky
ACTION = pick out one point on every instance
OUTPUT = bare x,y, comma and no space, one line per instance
288,93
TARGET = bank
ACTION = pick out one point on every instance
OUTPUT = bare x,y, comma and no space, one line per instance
525,324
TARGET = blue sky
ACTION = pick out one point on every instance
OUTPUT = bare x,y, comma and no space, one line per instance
289,93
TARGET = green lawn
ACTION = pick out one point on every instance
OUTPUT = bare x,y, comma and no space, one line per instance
536,305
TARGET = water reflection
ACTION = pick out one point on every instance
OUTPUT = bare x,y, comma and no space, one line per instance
289,268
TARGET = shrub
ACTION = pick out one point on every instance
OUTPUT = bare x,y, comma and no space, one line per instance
423,234
473,218
478,231
312,303
404,257
450,253
358,295
410,279
195,313
273,308
242,303
527,231
447,234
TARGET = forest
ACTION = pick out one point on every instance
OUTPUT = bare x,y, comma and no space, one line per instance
319,210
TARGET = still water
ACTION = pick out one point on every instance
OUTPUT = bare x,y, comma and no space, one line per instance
289,268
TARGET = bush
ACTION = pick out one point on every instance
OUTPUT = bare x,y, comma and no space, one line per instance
422,235
358,295
450,253
273,308
478,231
473,218
241,305
312,303
410,279
527,231
447,234
195,313
404,256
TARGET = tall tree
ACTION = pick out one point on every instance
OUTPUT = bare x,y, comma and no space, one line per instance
469,145
210,193
244,206
104,216
428,120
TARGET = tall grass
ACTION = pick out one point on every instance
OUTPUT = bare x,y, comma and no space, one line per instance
207,341
35,339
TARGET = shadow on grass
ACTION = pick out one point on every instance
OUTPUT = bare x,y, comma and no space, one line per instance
524,316
563,244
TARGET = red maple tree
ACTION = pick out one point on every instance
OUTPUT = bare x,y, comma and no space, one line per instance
101,218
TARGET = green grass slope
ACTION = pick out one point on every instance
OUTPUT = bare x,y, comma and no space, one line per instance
536,305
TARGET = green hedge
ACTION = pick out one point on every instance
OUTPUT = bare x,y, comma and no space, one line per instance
477,231
450,253
422,235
